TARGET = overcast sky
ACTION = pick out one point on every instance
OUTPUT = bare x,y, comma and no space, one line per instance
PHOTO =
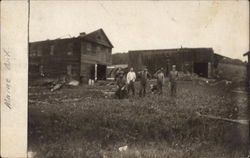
133,25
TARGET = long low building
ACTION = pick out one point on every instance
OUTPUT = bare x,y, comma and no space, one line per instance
201,61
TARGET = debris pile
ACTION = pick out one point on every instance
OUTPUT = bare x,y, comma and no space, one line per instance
73,83
59,83
191,77
203,80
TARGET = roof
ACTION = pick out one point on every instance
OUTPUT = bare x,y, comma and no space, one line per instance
247,53
175,50
90,37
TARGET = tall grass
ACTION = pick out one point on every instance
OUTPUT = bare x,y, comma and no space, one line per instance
154,126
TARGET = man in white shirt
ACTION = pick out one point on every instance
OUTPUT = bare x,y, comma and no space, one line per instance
131,80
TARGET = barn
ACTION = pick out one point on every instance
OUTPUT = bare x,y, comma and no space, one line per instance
201,61
82,58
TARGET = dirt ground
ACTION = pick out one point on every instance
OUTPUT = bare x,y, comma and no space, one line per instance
85,121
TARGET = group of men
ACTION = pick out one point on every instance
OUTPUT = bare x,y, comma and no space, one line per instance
126,83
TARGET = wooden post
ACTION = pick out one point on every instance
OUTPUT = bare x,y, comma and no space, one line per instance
192,67
95,72
209,71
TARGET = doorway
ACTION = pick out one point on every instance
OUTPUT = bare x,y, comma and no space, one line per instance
101,72
97,71
201,69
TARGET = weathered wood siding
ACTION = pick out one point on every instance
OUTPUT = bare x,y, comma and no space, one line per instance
183,58
91,54
72,56
65,53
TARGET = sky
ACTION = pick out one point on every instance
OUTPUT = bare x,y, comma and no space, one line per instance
136,25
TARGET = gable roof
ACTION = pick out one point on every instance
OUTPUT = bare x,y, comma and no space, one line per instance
92,36
99,37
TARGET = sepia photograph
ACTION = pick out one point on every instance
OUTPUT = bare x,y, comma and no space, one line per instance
138,79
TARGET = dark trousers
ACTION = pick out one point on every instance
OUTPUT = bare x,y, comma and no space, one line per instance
173,87
142,92
159,86
121,93
131,86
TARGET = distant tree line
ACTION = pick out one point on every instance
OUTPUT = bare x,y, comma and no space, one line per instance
232,61
120,58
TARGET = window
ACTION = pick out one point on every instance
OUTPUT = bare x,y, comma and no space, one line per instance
32,53
41,70
106,50
39,51
83,51
108,53
69,69
94,48
51,50
98,49
88,47
70,49
99,37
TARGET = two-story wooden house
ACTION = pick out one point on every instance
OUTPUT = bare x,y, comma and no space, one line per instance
84,57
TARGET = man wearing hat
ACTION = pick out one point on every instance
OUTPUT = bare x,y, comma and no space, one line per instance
121,84
143,82
118,72
173,76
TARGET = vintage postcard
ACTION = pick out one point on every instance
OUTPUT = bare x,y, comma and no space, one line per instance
124,79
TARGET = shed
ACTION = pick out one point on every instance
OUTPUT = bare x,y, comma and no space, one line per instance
193,60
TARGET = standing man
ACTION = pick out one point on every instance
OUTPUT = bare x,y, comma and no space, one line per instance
121,86
143,82
117,73
160,80
173,76
131,80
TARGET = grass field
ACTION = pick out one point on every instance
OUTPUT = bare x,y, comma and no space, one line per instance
82,122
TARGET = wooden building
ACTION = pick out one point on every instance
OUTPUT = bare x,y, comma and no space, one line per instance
82,58
248,70
201,61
